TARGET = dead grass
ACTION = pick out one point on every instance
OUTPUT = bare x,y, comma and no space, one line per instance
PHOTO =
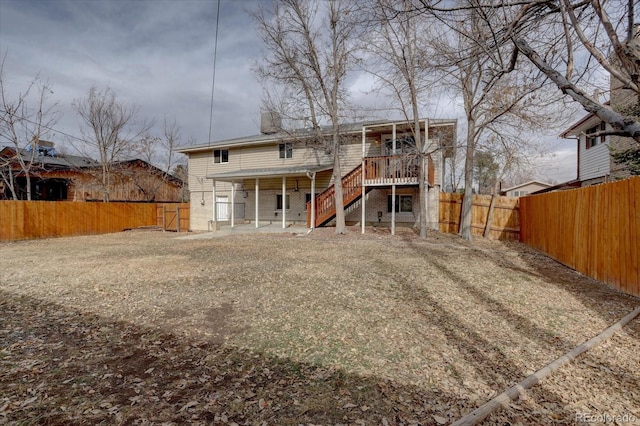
320,329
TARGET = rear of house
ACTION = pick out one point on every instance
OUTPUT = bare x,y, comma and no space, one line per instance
270,178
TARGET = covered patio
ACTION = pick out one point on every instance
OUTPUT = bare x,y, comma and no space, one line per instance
239,178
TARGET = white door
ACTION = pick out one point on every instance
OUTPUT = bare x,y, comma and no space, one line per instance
222,204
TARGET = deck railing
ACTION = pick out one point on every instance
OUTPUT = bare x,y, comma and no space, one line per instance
389,169
325,201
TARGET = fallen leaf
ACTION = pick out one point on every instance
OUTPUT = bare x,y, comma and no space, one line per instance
189,405
439,419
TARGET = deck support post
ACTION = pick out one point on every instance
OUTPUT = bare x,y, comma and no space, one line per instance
257,200
363,216
393,180
424,171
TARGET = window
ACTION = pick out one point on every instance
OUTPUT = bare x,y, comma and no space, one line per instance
593,141
404,203
286,150
220,155
279,202
404,145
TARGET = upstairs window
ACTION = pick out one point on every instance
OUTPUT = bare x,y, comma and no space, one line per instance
220,155
593,141
404,145
286,150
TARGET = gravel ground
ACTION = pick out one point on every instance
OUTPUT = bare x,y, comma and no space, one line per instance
143,328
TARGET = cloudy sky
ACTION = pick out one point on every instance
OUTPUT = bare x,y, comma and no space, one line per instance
158,55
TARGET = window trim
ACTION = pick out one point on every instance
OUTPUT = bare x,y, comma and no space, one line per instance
285,150
219,158
279,202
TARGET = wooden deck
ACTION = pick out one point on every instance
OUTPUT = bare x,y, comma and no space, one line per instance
378,171
394,170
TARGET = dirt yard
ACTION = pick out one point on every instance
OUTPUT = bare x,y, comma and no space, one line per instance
144,328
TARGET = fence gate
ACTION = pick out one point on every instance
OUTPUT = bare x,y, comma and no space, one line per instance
173,217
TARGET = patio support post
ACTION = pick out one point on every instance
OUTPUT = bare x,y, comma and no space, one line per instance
393,180
257,199
284,201
362,204
215,205
233,198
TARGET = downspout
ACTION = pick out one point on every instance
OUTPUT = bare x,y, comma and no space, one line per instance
312,176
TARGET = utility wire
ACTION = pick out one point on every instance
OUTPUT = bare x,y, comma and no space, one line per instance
213,77
53,129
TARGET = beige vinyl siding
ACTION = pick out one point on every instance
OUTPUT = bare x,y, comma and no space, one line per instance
199,166
526,189
267,156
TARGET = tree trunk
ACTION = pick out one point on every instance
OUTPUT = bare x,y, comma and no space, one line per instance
494,194
28,184
339,200
423,198
467,200
12,185
105,184
421,147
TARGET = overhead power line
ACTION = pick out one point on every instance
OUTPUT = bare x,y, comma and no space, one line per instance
213,77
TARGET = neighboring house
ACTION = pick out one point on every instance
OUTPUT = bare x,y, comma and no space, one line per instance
270,177
525,188
595,163
62,177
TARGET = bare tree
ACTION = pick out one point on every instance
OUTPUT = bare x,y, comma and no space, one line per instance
500,93
397,42
569,41
510,154
24,120
454,172
109,128
605,32
160,156
309,51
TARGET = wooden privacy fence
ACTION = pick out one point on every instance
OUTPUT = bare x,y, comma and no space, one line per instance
505,224
23,220
594,230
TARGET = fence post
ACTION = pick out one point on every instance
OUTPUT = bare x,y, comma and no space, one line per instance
177,218
164,217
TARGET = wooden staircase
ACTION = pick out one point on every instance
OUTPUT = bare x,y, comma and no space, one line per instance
325,201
